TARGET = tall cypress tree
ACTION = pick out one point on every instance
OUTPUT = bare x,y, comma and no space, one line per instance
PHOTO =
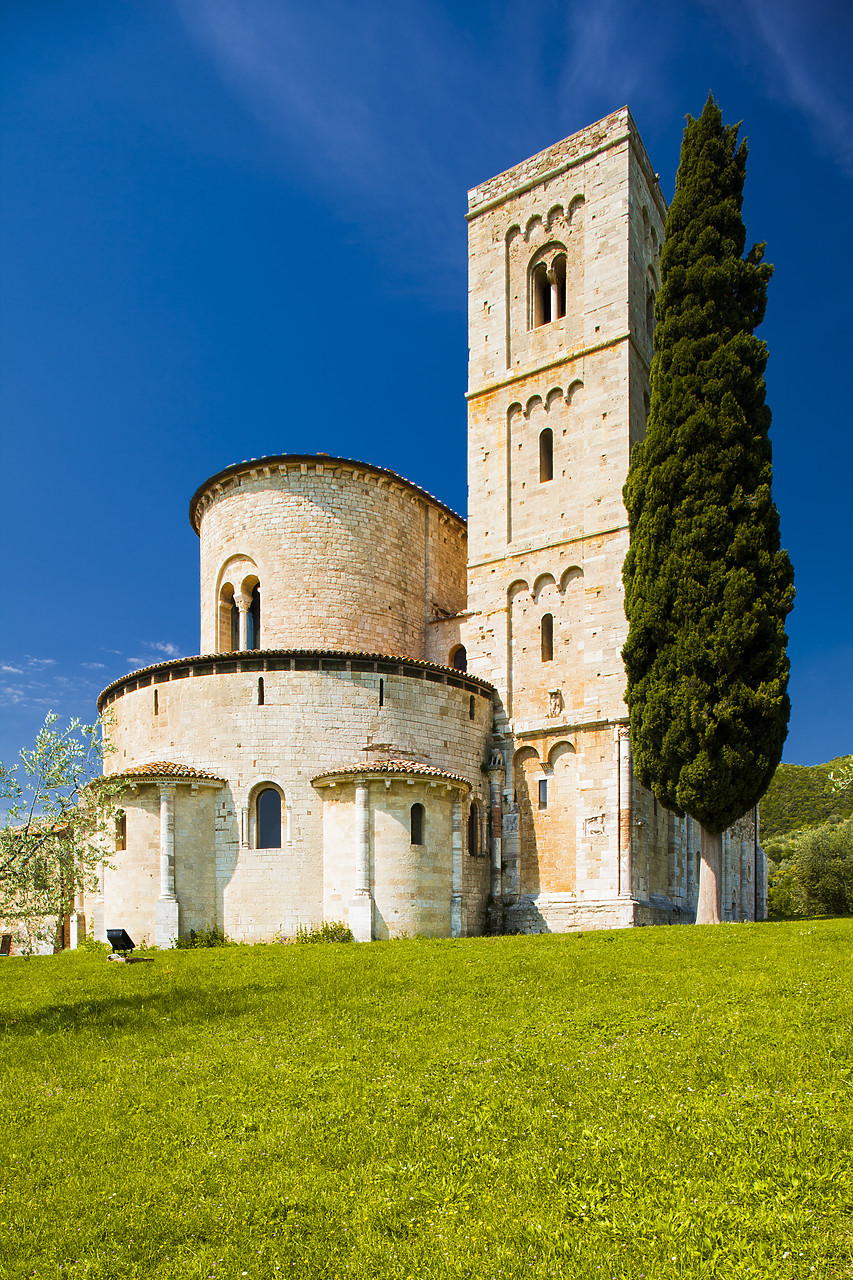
707,587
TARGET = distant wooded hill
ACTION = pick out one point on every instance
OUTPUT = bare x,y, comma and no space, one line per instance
802,796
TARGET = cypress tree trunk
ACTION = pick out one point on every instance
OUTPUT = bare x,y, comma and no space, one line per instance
710,878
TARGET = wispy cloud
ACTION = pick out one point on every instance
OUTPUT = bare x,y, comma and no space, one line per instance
393,110
154,651
804,48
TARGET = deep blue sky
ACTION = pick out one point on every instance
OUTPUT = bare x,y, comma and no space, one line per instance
235,227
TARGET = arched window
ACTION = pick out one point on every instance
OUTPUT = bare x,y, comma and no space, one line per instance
121,830
473,831
547,637
235,626
253,621
546,455
260,691
541,296
459,658
559,287
472,708
417,823
156,703
650,315
268,815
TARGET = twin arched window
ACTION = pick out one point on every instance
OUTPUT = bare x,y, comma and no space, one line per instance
548,292
231,605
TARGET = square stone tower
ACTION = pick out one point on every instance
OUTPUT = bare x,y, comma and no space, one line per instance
563,262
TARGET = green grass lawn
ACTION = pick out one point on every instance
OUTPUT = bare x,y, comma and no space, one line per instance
653,1103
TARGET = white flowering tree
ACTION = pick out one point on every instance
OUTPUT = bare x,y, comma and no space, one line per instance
59,821
842,776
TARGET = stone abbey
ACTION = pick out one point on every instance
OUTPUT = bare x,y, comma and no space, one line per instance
410,724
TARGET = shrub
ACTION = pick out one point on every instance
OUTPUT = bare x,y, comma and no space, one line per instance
212,937
93,947
810,872
783,891
823,862
328,931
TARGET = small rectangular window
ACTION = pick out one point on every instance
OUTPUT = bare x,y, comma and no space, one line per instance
547,637
543,793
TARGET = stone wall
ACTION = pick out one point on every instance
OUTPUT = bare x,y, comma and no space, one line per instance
555,403
318,713
347,556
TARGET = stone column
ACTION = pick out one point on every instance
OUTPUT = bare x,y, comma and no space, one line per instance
456,875
361,907
166,911
749,868
555,297
242,603
625,813
495,913
760,877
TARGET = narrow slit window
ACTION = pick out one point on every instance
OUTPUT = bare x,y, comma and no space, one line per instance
547,637
473,832
260,691
472,708
546,455
543,793
121,830
650,315
156,704
382,693
268,814
417,824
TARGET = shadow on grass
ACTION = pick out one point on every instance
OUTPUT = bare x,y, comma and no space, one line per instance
133,1011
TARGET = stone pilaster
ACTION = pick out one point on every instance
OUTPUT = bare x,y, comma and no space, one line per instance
361,907
456,881
166,912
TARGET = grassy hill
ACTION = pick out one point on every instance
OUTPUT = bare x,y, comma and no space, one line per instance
655,1103
802,796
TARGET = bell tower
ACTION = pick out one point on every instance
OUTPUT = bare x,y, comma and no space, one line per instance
563,270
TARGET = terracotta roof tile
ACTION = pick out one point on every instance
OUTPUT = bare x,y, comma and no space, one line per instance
391,766
167,769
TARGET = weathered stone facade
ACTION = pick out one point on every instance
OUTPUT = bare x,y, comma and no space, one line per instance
441,754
